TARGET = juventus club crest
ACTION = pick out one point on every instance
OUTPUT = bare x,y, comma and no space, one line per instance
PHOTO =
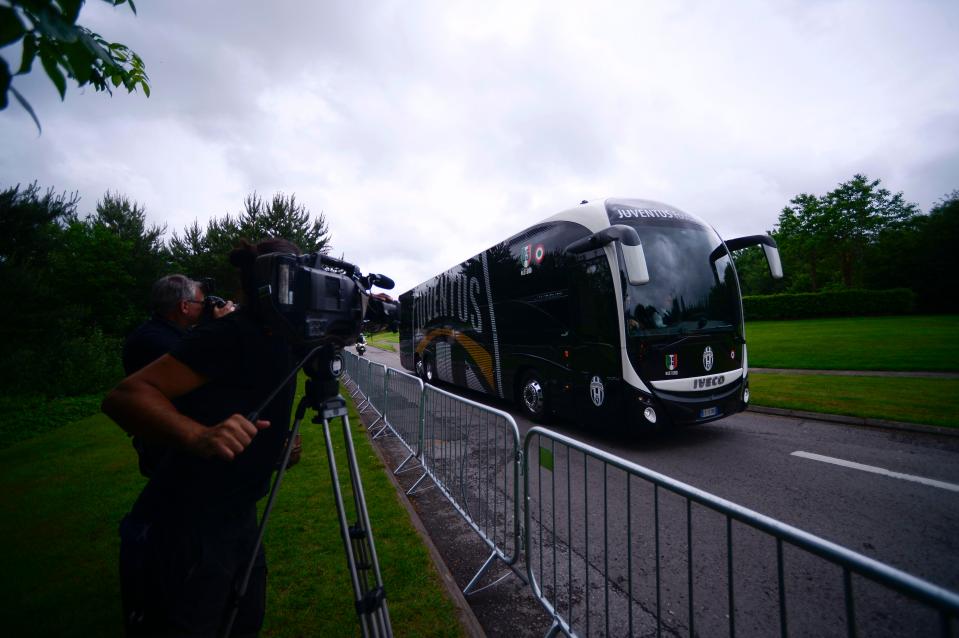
708,359
596,391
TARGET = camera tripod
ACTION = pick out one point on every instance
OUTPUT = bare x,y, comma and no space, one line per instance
323,367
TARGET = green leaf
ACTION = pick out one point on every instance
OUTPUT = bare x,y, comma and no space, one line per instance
26,107
11,27
29,53
49,61
145,87
52,25
70,9
81,62
5,79
87,38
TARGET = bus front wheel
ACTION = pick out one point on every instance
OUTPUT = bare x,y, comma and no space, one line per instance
532,397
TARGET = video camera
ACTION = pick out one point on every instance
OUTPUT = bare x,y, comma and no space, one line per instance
315,300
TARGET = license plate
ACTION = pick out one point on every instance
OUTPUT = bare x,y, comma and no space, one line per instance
708,412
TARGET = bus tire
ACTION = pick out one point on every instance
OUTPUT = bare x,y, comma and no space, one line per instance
533,399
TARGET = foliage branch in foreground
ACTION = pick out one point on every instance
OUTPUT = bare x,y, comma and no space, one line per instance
48,30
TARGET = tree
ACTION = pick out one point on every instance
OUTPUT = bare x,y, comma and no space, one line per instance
937,281
283,217
48,29
855,214
200,253
829,237
26,221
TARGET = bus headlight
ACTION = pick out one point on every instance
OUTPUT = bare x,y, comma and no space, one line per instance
650,415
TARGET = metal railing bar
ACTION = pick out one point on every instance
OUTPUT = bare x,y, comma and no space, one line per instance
912,586
586,527
553,527
689,564
569,524
606,544
783,627
629,552
659,608
850,604
729,577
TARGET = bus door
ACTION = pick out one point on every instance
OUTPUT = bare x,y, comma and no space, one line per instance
594,343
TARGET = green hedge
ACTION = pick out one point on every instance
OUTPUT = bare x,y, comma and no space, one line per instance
843,303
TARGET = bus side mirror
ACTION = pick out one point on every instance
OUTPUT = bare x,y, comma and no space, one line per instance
775,263
770,249
637,273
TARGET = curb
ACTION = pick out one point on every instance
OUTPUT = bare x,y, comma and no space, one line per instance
882,424
467,618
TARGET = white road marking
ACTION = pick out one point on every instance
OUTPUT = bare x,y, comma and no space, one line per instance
952,487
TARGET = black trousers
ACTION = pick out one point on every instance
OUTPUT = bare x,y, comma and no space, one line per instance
177,577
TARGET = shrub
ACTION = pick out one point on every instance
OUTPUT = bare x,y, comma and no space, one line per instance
840,303
70,366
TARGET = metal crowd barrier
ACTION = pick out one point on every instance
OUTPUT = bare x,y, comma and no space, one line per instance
363,382
472,453
350,368
611,549
377,392
402,411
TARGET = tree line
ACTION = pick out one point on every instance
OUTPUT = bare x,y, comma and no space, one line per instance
77,284
861,236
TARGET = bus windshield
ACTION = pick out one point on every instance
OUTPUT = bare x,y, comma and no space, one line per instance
690,290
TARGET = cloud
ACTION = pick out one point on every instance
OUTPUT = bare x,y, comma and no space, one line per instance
427,132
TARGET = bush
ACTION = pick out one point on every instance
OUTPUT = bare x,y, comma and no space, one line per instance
71,366
24,417
840,303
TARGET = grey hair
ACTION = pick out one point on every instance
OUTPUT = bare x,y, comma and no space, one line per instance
168,292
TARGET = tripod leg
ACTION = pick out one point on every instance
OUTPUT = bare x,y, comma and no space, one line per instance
358,542
236,597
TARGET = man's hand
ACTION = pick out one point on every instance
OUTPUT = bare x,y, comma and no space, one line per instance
228,438
223,311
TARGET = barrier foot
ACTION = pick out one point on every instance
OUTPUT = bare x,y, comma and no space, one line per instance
362,405
384,430
405,461
410,491
373,424
555,630
482,572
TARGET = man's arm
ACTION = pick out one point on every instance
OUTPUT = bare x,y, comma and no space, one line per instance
141,405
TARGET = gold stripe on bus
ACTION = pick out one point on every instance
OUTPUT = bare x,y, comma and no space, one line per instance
477,353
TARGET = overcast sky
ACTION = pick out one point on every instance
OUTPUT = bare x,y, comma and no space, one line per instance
428,131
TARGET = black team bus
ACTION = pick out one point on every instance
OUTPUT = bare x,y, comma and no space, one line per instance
621,311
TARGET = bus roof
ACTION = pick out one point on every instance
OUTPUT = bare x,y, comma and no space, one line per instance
601,213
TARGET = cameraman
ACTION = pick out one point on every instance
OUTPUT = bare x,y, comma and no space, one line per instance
190,532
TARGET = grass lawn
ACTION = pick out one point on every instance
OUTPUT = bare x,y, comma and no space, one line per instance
856,343
385,341
929,401
65,490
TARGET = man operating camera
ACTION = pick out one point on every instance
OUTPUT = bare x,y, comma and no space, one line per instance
193,527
